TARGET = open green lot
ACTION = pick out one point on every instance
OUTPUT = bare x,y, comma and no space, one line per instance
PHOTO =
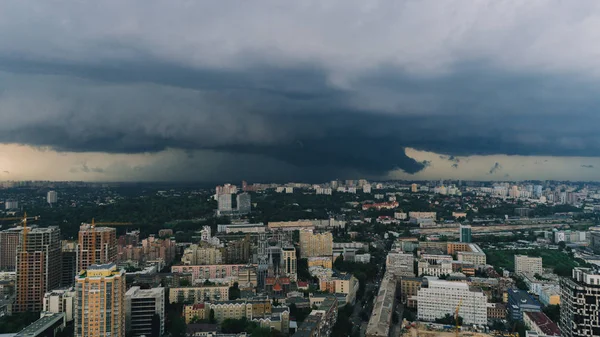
559,261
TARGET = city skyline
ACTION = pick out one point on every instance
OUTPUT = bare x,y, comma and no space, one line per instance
305,91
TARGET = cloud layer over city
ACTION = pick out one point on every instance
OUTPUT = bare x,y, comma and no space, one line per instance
310,89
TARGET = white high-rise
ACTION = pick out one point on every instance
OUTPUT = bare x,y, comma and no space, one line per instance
443,297
52,197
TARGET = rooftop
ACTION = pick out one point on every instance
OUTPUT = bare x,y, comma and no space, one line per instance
522,297
544,323
41,324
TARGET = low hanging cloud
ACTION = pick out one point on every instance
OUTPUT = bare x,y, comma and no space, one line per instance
495,168
348,94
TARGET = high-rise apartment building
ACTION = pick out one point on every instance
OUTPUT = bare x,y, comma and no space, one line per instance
244,203
465,233
580,304
528,265
97,245
38,267
202,255
69,263
145,311
52,197
315,244
289,262
224,203
100,302
9,240
11,204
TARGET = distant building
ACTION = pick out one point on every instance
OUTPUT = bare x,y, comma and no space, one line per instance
443,297
199,294
69,263
100,301
414,188
244,204
289,262
203,255
52,197
465,233
61,300
528,265
400,264
11,205
313,244
38,267
519,302
145,311
367,188
9,240
224,203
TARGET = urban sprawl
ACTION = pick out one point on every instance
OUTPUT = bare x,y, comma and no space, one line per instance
343,258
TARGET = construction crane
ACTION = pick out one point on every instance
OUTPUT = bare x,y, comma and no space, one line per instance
93,229
456,316
23,219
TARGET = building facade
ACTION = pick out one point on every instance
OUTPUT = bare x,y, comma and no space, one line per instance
9,240
61,300
580,304
526,265
38,267
100,302
443,297
198,294
315,244
289,262
145,311
209,272
465,233
96,245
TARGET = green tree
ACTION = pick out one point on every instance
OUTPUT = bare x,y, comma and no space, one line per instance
553,312
234,292
211,317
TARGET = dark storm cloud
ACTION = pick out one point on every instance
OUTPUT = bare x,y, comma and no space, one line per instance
495,168
347,95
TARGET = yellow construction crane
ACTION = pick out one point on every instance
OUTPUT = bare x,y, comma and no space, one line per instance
93,228
456,316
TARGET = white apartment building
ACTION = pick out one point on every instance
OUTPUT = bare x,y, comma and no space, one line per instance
60,300
437,270
443,297
528,265
400,264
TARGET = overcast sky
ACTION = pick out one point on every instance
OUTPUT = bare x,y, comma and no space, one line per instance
299,90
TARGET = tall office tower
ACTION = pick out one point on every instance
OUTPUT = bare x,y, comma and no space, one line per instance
289,262
312,245
9,240
69,263
97,245
145,311
224,203
38,267
465,233
244,204
100,302
52,197
580,303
